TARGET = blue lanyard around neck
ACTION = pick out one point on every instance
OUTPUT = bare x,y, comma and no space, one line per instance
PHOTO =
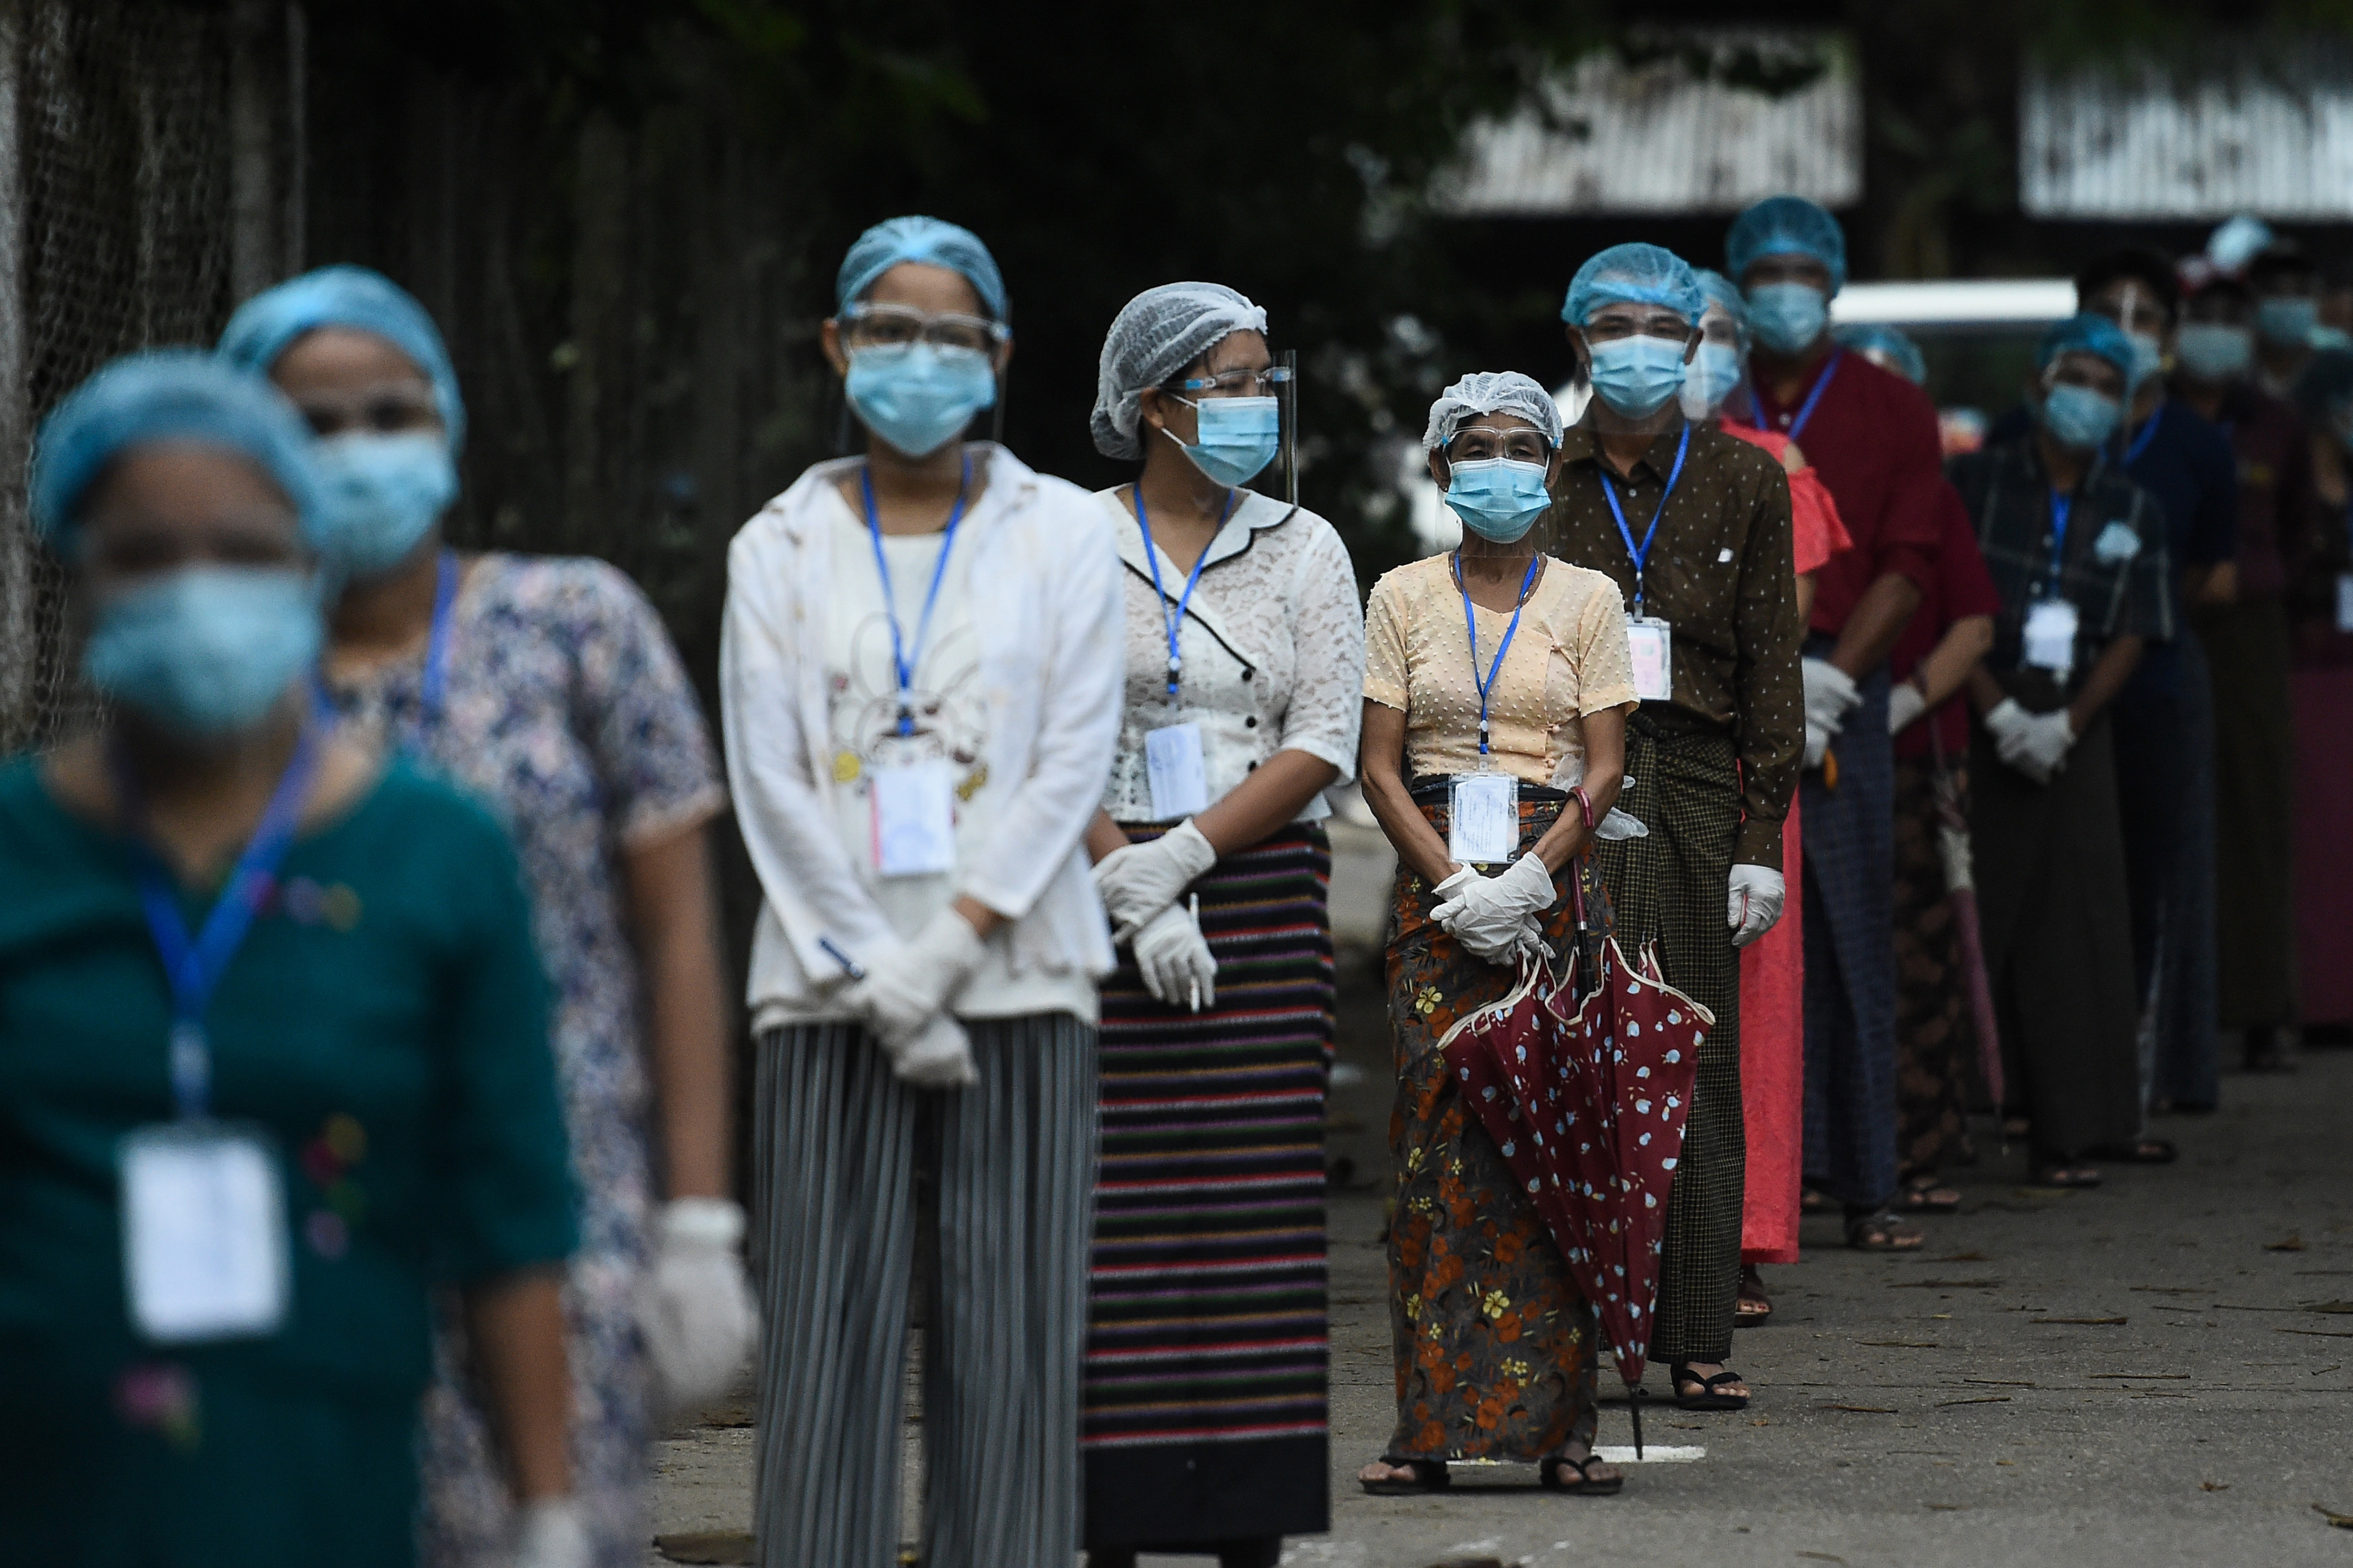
1175,622
1641,552
902,661
435,690
1471,619
2147,433
1805,409
2061,505
193,965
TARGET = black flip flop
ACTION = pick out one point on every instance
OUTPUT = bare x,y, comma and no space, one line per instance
1710,1397
1549,1474
1429,1476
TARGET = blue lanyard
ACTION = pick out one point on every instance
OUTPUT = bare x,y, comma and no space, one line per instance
1805,409
1641,554
902,663
193,965
1472,620
2148,434
436,685
2061,505
1175,623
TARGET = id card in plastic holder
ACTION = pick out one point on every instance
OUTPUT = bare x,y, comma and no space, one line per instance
1482,818
1172,766
204,1234
2049,641
2345,601
1651,643
914,818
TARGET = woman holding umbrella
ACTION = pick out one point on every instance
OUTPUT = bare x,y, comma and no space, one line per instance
1497,683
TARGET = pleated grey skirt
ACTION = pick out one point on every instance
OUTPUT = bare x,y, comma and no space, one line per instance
838,1145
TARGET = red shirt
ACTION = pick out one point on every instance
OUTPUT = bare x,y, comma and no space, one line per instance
1873,437
1962,587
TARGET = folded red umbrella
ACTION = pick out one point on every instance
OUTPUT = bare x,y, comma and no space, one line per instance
1587,1100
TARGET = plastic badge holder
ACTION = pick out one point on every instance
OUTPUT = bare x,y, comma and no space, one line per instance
2345,601
914,819
1482,824
1651,641
2049,641
1174,768
204,1233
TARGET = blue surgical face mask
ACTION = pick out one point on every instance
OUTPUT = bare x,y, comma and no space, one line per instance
919,396
2079,417
2288,320
1710,378
1496,498
2214,351
1788,317
205,650
1239,436
1637,375
2148,357
383,495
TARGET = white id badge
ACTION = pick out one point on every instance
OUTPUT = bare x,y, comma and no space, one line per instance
2345,601
2050,636
914,818
204,1234
1482,818
1172,764
1652,641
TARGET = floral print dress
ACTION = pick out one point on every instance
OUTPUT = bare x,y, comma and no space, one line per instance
567,711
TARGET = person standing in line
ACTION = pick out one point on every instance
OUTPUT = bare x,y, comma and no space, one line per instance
921,679
1498,676
1207,1416
2320,602
550,688
2077,554
2164,718
2242,624
1873,437
273,1046
1772,967
1693,527
2285,283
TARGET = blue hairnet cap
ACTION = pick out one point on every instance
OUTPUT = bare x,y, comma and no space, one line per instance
1878,337
1786,225
166,395
926,240
2088,334
1637,273
1721,291
354,297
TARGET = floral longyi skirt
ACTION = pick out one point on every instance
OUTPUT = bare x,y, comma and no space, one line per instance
1495,1343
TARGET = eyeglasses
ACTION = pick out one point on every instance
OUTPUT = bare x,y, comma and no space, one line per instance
865,326
1477,443
388,410
1237,383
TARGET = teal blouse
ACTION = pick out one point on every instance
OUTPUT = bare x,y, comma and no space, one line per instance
386,1021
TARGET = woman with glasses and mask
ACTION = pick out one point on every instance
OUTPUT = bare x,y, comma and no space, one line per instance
920,680
1498,675
1205,1427
273,1046
549,687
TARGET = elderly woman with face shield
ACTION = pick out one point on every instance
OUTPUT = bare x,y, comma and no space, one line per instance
549,687
273,1046
1495,675
1693,525
921,679
1205,1401
2078,556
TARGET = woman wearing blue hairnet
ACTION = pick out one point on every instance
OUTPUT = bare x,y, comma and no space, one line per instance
550,687
273,1046
921,677
1245,661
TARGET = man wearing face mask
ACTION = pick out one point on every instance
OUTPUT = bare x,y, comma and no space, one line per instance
1873,437
2242,625
2287,286
2077,553
1694,527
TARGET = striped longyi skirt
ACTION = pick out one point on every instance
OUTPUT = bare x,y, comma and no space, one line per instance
1205,1392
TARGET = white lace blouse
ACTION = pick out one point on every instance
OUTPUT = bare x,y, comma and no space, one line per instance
1273,645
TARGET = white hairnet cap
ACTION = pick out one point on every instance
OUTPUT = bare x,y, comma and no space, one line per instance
1156,334
1491,392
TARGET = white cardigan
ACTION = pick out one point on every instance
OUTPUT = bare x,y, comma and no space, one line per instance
1046,602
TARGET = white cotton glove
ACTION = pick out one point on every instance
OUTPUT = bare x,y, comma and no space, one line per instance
1830,695
552,1532
2005,723
939,1056
908,986
2041,745
1179,968
1757,895
1140,880
1497,917
1817,744
1905,704
696,1309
